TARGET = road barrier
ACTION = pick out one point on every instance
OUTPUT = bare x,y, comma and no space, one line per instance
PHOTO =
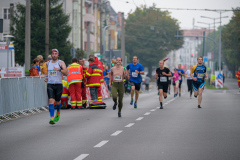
22,95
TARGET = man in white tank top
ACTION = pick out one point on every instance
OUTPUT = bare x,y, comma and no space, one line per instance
56,68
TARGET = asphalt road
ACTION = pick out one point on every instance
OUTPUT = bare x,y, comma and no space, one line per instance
178,132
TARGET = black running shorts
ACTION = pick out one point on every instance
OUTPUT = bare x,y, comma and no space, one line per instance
54,91
137,85
163,86
180,84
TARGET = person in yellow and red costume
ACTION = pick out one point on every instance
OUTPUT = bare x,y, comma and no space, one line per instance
238,77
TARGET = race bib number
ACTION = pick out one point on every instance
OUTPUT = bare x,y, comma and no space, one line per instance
163,79
200,75
53,73
134,74
117,78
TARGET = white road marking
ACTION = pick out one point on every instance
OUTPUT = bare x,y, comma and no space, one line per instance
130,125
153,110
81,157
101,143
147,113
140,118
116,133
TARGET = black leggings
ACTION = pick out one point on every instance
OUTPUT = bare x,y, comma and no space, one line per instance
189,84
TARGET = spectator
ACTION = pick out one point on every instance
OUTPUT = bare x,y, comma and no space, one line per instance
34,70
44,69
106,75
41,66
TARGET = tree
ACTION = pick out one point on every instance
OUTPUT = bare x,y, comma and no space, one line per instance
150,35
231,41
58,33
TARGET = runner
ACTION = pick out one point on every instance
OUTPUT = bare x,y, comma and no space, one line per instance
175,82
134,70
189,81
56,68
162,75
181,73
238,77
200,74
169,82
117,75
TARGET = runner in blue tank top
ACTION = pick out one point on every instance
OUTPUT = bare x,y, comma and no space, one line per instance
133,71
200,74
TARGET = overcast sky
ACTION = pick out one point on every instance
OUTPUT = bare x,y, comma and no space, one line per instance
183,16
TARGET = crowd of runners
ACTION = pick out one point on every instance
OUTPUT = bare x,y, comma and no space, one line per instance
79,77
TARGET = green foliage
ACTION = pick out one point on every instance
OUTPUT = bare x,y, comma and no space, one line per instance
231,41
59,30
150,35
80,53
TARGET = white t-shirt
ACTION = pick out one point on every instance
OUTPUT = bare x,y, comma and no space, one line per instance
188,74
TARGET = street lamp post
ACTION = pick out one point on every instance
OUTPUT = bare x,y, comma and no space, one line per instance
219,51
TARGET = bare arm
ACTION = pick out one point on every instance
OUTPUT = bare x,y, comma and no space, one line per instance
64,68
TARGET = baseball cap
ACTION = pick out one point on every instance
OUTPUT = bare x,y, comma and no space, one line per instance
54,50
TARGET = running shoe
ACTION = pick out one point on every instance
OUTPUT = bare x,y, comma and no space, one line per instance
119,114
135,105
131,103
52,121
195,96
179,94
56,119
161,107
175,95
114,106
199,106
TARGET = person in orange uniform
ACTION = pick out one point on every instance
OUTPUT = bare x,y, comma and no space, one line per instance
238,77
100,66
65,93
84,93
93,76
74,80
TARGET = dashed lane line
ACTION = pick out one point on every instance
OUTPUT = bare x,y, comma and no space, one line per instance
153,110
147,113
130,125
101,144
116,133
139,119
81,157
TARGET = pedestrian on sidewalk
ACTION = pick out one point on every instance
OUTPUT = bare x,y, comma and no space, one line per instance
74,80
117,75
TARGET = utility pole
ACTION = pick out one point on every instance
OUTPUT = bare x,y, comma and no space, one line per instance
47,30
27,34
220,41
88,39
203,43
82,28
11,15
123,40
101,45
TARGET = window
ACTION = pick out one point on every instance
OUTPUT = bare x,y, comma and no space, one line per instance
6,13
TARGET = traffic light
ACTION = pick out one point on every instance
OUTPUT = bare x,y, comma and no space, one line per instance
191,55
